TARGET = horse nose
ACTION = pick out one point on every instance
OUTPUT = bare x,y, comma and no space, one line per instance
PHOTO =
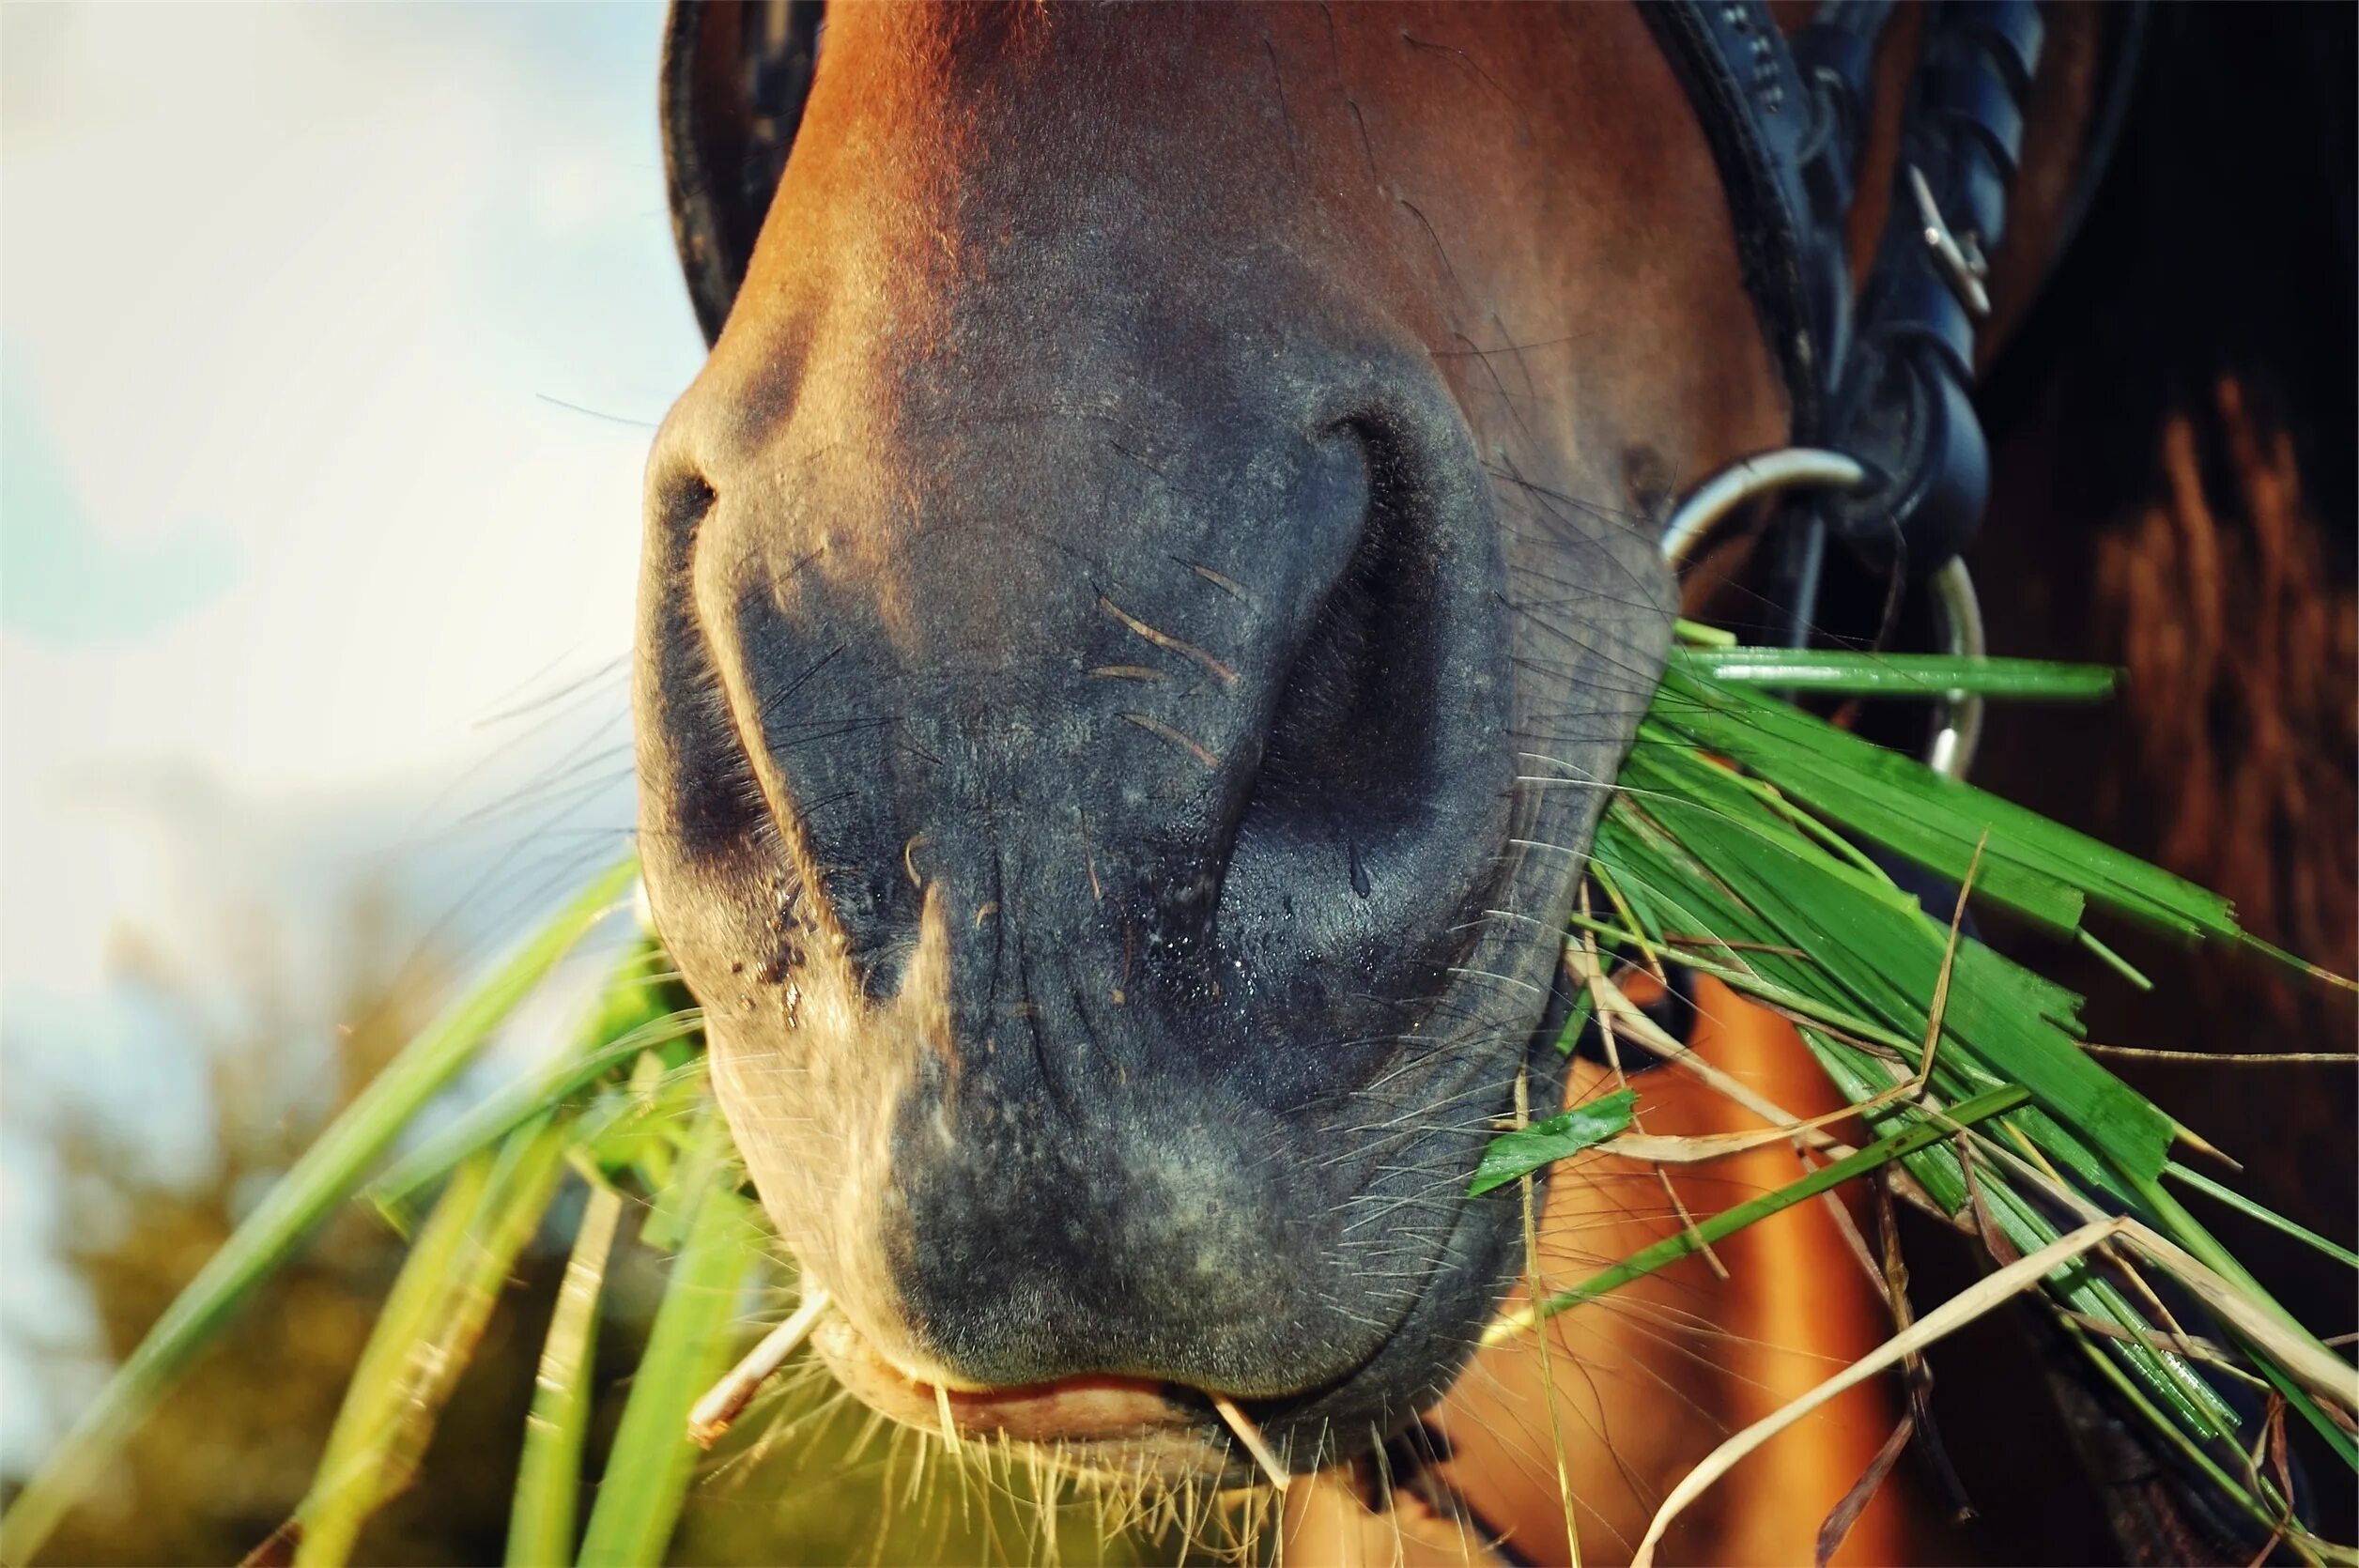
1118,1193
1113,816
1381,790
1277,759
1264,779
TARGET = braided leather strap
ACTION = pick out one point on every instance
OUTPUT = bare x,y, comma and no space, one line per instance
1902,402
1887,378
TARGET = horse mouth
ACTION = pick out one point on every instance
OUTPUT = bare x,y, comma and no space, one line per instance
1098,1425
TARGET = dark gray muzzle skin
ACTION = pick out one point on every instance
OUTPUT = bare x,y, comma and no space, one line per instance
1114,771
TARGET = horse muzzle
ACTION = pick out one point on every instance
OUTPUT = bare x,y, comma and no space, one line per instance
1078,778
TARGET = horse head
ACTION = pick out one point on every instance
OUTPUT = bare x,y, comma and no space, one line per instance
1140,610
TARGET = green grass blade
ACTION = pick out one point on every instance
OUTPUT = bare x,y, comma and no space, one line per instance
2269,1217
496,1114
1871,789
549,1478
1702,635
372,1398
1735,821
1890,968
1676,766
1928,676
1575,1020
2114,960
2184,1228
2108,1368
633,1132
1526,1149
425,1338
1825,1179
644,1006
325,1177
647,1473
2194,1406
2195,1409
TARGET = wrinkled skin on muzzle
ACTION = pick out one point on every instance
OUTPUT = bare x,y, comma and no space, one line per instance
1139,615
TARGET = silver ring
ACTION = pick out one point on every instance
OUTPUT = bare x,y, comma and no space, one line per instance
1951,750
1957,605
1709,503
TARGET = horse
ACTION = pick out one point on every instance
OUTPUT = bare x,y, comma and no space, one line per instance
1175,495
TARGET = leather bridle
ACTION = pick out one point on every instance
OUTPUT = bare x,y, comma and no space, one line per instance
1888,444
1884,380
1888,454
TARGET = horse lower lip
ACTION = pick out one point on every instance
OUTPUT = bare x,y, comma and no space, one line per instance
1086,1409
1076,1408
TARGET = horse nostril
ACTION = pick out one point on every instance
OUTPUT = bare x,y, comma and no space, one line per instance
699,800
682,498
1352,749
1384,771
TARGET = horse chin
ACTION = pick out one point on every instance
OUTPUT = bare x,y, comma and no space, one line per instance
1105,1430
1111,1430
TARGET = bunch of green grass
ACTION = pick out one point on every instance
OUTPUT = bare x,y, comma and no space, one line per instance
1735,845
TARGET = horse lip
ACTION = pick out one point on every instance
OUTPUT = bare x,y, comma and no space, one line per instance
1121,1425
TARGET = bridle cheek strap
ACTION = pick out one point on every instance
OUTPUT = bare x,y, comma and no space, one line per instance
1888,379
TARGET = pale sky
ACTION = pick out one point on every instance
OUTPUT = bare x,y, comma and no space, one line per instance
297,309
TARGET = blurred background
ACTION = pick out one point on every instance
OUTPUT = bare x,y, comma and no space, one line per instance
330,344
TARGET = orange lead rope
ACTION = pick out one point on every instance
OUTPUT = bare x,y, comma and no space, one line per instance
1649,1380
